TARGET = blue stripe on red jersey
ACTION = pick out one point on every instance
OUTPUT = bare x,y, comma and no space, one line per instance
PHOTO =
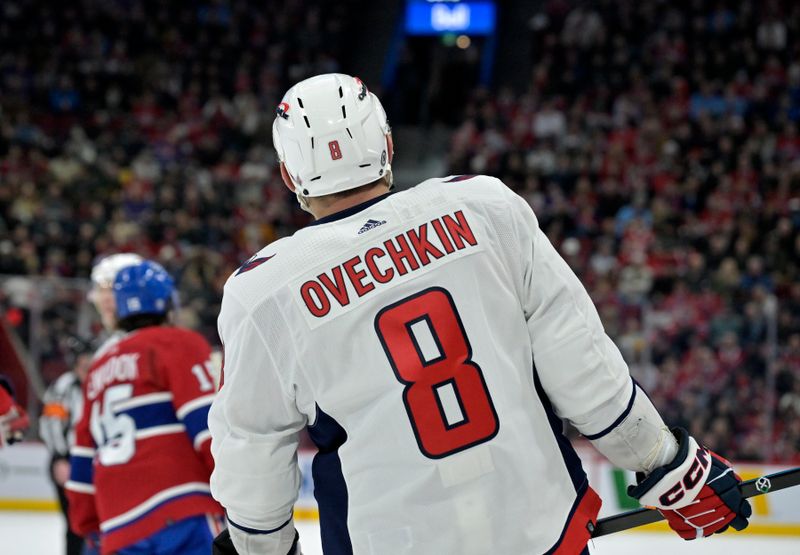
153,414
196,421
81,469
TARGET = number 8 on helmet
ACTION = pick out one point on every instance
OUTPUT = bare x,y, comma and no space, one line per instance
331,136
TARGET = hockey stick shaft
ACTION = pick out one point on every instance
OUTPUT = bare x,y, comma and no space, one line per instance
750,488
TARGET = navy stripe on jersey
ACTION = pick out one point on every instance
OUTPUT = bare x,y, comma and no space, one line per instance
293,549
330,489
152,414
347,212
457,178
571,459
81,469
619,419
578,499
196,421
253,263
256,530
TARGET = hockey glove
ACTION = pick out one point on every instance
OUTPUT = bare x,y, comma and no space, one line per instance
223,544
698,492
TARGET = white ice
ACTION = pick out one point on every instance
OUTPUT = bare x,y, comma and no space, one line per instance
24,533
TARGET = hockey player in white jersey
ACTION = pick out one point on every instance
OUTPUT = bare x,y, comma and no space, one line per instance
433,342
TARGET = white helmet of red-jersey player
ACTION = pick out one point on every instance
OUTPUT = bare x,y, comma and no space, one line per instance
104,272
331,134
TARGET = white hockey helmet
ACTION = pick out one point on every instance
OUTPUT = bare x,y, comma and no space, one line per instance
104,272
330,133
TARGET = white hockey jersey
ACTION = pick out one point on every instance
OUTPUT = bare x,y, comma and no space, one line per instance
431,340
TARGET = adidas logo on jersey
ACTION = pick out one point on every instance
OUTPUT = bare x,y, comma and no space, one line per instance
371,224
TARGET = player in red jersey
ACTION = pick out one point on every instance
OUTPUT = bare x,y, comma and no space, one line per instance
141,462
13,418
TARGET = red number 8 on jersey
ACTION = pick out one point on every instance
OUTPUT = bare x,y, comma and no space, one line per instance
424,378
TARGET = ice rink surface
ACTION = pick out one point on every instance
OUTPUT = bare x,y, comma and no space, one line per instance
41,534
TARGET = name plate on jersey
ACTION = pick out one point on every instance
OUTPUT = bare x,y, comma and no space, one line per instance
338,286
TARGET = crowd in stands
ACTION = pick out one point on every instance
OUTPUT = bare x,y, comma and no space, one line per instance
144,126
658,144
657,141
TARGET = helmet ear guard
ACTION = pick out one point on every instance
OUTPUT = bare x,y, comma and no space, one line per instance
301,198
330,133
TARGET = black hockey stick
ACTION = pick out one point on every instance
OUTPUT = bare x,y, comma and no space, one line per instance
750,488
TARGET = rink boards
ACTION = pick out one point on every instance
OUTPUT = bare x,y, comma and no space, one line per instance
24,485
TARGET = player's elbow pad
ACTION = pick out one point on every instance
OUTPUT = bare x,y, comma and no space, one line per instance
640,441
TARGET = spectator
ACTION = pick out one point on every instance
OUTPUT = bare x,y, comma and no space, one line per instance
691,215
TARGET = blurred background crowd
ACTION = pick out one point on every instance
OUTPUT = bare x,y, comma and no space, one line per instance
657,142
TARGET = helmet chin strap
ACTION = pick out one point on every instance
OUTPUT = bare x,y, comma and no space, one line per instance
389,176
303,200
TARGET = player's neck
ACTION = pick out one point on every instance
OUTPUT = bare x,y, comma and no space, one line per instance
322,207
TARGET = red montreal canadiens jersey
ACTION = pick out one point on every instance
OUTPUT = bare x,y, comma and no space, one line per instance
431,341
141,458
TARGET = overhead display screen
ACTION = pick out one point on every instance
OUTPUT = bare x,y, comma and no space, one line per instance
440,17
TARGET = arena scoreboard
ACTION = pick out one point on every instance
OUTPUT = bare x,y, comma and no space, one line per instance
438,17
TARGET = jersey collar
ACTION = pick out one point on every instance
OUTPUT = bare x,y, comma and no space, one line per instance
347,212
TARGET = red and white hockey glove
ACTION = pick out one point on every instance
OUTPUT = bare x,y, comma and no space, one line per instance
13,420
698,492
